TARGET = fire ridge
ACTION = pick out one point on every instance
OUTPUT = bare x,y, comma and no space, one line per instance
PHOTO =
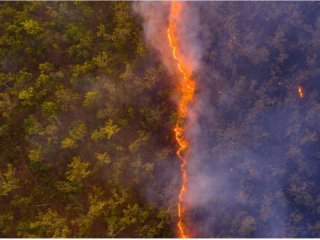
186,89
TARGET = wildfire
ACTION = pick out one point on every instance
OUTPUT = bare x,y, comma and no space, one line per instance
300,91
186,88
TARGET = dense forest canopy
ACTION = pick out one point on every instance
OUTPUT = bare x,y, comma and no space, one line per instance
87,111
85,123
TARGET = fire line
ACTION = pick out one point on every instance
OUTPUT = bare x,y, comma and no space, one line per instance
186,89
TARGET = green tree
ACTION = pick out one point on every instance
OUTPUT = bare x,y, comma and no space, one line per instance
46,225
107,131
8,181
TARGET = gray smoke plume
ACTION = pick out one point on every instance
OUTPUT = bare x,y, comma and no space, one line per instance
155,24
253,160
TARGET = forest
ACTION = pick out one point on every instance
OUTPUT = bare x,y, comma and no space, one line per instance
88,107
85,123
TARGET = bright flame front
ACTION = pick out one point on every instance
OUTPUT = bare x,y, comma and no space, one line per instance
186,89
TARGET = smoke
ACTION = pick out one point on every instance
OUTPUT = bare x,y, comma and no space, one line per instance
156,17
252,164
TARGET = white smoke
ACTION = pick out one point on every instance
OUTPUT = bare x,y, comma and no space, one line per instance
155,24
156,17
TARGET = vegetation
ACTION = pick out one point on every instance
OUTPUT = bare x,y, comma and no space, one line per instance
84,123
258,139
86,119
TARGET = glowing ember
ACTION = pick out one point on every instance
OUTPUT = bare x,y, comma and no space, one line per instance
186,88
300,91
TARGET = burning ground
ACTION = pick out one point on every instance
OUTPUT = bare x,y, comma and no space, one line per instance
254,125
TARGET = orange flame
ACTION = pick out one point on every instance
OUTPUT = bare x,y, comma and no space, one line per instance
186,88
300,91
